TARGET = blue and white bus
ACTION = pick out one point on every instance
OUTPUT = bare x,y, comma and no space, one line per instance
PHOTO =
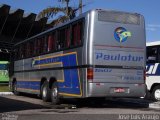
153,70
99,54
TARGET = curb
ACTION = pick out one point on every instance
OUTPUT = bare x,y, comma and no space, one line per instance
5,93
155,105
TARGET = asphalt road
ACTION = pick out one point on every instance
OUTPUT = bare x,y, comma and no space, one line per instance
32,108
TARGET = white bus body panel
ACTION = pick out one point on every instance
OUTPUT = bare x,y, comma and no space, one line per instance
152,75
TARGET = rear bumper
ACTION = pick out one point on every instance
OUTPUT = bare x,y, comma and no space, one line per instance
106,90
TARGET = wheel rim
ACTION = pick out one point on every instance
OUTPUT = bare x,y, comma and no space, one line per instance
157,94
44,92
54,93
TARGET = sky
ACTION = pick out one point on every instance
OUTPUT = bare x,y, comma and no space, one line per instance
148,8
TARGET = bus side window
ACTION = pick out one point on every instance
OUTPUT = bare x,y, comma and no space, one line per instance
74,35
35,47
158,54
38,46
31,48
51,42
77,32
64,38
28,49
151,55
67,37
42,44
61,38
45,46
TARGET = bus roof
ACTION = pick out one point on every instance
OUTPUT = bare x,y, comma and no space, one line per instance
153,43
68,22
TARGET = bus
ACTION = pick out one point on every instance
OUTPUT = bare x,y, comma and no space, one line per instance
4,76
153,70
99,54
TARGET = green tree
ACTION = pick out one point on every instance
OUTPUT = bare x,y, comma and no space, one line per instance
68,12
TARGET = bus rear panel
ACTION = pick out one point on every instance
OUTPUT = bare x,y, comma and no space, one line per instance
117,54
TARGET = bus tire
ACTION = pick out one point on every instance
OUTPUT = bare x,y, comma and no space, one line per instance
45,92
55,99
15,88
155,95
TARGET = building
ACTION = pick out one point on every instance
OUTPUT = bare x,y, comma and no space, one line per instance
15,26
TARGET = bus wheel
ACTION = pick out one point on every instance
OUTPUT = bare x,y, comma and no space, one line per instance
15,88
54,94
45,92
156,93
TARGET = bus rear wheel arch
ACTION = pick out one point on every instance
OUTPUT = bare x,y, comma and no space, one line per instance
155,94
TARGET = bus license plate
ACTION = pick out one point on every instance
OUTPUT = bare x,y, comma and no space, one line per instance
119,90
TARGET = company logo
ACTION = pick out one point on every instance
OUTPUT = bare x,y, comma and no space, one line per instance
118,57
152,69
121,34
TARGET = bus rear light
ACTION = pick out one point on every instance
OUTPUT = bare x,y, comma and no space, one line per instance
98,84
90,74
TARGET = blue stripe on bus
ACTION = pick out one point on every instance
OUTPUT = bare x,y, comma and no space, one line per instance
35,85
71,84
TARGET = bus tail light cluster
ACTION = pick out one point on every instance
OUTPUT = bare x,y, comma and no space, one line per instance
90,74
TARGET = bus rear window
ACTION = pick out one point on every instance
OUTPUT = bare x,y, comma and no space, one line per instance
118,17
